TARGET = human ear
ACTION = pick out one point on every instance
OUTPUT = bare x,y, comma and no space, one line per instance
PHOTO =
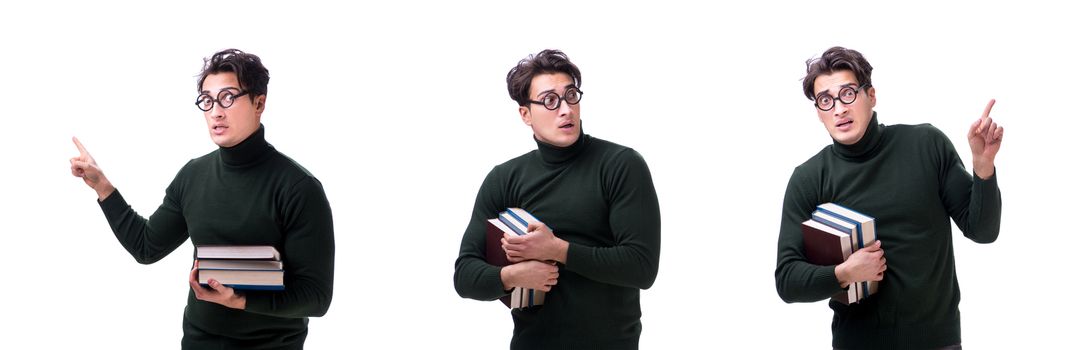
525,115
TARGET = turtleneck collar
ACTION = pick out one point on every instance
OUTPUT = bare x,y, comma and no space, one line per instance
247,152
556,155
866,146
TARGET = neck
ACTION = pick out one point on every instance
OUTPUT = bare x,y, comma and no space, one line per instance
249,151
867,144
556,155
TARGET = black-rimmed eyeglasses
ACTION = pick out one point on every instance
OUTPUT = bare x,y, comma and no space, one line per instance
225,98
847,95
552,101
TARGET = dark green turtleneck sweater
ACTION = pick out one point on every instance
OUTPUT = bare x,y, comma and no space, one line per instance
248,194
599,197
910,178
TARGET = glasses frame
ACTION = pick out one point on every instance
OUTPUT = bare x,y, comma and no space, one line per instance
856,92
220,96
559,99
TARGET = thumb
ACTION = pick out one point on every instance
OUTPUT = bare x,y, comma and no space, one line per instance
534,226
216,285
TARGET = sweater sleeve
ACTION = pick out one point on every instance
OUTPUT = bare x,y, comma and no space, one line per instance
147,240
308,253
974,204
474,277
635,222
798,280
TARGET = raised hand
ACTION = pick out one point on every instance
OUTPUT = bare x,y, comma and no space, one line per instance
985,139
538,244
85,166
866,264
216,293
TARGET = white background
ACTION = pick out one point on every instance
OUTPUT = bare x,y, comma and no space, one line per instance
401,110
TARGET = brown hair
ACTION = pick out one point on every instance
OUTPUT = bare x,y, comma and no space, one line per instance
836,59
253,77
546,62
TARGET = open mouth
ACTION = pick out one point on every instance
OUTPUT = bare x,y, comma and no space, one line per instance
844,123
567,126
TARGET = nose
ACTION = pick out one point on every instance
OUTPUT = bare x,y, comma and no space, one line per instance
565,109
217,112
840,108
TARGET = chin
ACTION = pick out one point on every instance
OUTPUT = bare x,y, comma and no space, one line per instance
567,140
222,142
847,138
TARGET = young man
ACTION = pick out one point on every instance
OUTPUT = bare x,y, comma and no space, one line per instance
244,193
910,178
598,242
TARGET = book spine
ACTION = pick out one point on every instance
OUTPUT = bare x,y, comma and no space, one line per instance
517,217
508,222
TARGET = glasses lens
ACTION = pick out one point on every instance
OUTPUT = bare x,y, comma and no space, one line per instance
847,95
226,97
204,102
824,102
551,101
572,96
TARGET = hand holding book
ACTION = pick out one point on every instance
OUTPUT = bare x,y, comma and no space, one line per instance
216,293
538,244
530,274
867,264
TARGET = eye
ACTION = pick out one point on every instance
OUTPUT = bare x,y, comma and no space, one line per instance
226,97
550,100
204,102
847,94
824,100
572,96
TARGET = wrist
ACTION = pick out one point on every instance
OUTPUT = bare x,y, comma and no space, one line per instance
984,172
841,274
104,190
561,254
507,277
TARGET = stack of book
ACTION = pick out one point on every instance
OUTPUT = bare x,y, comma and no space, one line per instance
831,235
512,221
240,267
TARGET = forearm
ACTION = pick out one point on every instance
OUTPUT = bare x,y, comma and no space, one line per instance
633,265
302,297
137,235
985,209
802,282
475,279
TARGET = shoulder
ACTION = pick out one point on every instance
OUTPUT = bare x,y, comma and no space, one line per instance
293,177
203,161
514,165
197,167
921,139
613,154
915,132
815,164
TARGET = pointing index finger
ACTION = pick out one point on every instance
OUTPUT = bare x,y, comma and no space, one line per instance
78,144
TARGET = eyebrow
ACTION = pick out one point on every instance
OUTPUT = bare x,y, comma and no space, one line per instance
569,86
219,91
839,88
